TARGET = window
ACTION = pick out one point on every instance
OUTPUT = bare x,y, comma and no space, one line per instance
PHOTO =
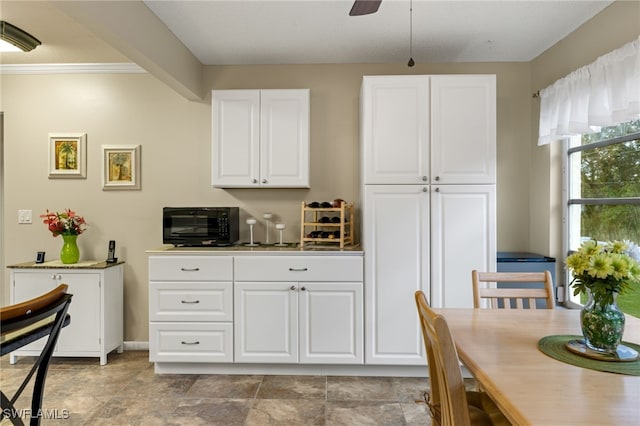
602,187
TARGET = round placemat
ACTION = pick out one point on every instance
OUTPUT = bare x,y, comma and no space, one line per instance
555,347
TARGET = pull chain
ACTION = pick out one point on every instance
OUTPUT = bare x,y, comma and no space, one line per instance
411,61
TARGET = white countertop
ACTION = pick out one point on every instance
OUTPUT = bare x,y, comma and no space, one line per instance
290,250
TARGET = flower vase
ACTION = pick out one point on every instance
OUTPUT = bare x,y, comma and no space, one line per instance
70,252
602,325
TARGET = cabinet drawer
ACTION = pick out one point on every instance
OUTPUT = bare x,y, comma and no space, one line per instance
190,301
298,268
190,268
190,342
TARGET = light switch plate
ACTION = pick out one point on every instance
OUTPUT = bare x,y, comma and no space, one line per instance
24,216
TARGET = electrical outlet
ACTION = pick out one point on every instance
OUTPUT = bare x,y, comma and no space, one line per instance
24,216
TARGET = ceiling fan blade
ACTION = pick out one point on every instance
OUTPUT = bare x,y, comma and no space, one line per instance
364,7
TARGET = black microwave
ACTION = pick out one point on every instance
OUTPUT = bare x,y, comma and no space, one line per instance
200,226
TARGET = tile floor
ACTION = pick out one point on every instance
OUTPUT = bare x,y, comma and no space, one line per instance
127,392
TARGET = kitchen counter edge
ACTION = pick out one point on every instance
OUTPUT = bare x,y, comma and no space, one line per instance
258,251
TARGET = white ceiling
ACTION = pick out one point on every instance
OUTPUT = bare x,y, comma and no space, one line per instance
320,31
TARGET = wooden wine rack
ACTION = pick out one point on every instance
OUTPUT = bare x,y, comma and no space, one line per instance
310,221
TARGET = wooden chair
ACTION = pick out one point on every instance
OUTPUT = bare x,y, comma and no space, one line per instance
507,298
24,323
449,403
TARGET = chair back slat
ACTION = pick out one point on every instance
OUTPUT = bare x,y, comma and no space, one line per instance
485,287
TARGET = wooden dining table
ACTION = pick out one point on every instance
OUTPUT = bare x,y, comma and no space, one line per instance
500,348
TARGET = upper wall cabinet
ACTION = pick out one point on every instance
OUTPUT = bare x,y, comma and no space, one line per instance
463,129
394,120
429,129
260,138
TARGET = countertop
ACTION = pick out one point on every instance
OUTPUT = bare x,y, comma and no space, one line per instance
292,249
56,264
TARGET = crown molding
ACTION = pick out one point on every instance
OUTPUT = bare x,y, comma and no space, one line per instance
99,68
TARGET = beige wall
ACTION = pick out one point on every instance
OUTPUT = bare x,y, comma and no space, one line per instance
175,137
613,27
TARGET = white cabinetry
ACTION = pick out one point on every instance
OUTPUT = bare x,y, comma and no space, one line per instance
190,309
96,308
428,129
463,238
395,125
463,129
428,210
260,138
305,309
396,237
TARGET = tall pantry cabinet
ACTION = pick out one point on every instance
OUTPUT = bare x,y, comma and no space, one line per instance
429,201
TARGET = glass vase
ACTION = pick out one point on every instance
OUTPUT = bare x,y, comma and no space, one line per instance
602,325
70,252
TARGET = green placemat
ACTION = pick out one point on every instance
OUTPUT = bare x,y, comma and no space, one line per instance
554,346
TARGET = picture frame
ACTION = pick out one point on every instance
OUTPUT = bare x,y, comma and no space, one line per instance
120,167
67,155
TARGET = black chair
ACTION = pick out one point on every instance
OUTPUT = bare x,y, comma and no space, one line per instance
24,323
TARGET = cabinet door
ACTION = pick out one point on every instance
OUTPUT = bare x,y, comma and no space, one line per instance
266,322
395,129
235,151
83,333
331,329
463,238
284,138
27,285
463,129
396,243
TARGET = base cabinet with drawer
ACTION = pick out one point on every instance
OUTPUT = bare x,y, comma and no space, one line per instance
242,311
190,309
304,310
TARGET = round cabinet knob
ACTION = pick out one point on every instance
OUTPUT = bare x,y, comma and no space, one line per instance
254,180
437,189
424,178
264,181
292,288
424,190
303,288
437,178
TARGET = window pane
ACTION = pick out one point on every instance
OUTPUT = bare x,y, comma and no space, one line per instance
612,132
611,171
608,222
601,175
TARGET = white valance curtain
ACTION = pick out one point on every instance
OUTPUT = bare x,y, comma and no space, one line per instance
603,93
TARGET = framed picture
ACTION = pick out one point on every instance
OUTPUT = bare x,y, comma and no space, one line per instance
67,155
120,167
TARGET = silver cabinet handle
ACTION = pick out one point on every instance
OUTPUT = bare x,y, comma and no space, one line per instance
424,189
437,189
190,343
187,302
189,269
437,178
424,178
303,288
298,269
264,181
292,288
56,277
254,180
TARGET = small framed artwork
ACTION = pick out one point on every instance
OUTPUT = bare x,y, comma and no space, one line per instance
120,167
67,155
